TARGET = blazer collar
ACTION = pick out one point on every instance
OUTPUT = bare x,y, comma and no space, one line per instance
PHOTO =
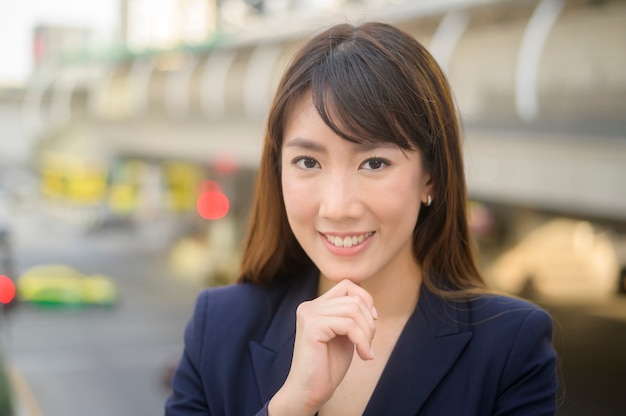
427,348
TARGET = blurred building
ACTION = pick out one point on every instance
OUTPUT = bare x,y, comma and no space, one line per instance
51,43
150,24
540,84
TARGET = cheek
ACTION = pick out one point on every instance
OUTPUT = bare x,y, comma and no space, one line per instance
298,199
399,201
398,209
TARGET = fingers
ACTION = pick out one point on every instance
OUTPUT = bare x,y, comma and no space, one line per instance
353,307
348,288
357,336
345,310
328,331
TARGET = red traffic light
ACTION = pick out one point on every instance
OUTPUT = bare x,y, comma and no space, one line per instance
7,289
212,203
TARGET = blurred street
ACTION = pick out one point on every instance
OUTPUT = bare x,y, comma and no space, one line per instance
83,361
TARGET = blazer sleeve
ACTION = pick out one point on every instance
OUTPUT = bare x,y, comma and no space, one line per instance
188,397
529,381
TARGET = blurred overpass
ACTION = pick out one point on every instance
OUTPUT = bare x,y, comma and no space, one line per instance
540,84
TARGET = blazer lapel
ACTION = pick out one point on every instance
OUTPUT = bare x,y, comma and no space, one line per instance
426,350
271,358
429,345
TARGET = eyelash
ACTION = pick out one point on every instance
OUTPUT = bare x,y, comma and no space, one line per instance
384,162
298,162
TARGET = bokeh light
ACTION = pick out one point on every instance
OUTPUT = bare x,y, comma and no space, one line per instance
212,203
7,289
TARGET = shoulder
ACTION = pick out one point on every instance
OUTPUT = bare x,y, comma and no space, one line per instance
246,308
236,303
229,314
508,349
514,337
494,319
504,310
233,296
498,321
481,311
251,298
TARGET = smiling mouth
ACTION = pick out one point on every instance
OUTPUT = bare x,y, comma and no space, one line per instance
348,241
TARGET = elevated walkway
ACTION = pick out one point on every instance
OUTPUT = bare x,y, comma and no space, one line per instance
518,65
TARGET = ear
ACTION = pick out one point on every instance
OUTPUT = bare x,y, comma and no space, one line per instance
427,195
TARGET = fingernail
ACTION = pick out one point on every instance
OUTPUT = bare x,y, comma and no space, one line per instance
374,312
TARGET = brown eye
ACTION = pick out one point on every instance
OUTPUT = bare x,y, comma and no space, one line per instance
305,162
375,163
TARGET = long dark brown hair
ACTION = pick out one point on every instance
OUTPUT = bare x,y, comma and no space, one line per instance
370,83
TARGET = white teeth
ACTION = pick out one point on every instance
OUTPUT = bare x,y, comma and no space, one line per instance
347,241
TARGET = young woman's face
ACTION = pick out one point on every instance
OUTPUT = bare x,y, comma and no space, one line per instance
352,207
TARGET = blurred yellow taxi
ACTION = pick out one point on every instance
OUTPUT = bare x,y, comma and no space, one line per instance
58,284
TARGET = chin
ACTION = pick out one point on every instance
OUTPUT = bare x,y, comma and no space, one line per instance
350,275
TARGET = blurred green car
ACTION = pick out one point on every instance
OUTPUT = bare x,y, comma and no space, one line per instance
58,284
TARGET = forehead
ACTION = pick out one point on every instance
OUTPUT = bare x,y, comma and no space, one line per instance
300,108
304,128
303,118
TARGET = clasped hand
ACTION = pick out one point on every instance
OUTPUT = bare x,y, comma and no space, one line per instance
329,329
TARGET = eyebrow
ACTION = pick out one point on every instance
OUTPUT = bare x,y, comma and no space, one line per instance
369,146
313,146
305,144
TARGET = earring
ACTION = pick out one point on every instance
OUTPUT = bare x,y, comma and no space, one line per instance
429,201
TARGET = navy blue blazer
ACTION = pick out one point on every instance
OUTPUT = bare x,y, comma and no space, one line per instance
487,356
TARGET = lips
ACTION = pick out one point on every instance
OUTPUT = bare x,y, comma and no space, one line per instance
347,241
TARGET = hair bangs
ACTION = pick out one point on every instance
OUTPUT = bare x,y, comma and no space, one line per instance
349,97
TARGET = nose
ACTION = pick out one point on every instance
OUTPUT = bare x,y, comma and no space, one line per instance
340,197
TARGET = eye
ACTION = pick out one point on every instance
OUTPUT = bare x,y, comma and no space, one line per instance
305,162
375,163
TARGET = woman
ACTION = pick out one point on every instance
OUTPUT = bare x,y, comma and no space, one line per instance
359,292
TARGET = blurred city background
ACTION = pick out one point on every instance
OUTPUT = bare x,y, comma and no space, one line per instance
130,134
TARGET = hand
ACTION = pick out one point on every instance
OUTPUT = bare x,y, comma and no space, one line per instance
327,331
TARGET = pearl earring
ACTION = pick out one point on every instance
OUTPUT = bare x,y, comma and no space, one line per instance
429,201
